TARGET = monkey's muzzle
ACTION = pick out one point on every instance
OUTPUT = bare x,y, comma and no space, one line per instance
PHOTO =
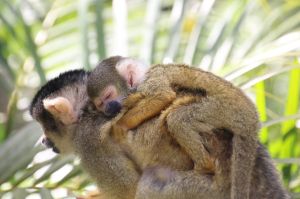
49,144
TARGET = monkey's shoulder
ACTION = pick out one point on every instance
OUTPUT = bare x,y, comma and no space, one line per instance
172,66
188,74
180,69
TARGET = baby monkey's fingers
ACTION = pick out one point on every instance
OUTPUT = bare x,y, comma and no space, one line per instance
132,100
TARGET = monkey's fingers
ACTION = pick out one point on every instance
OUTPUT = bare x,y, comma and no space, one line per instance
118,132
206,165
132,100
146,109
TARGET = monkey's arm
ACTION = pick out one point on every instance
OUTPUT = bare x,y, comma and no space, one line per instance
132,100
145,109
157,95
115,173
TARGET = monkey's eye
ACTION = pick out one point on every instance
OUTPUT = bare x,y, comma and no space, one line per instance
108,96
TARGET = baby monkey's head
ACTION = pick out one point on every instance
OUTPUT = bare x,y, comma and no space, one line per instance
112,80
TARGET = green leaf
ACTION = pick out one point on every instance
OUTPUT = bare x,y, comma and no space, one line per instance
46,194
30,42
175,32
99,23
21,149
281,120
20,193
2,132
11,110
77,171
292,103
54,167
83,24
28,172
261,107
204,11
152,15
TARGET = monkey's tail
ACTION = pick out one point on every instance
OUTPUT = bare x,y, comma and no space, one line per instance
243,161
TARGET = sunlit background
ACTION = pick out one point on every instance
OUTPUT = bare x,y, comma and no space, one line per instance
253,43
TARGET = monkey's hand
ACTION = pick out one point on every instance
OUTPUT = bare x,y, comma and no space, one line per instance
206,165
132,100
118,132
145,109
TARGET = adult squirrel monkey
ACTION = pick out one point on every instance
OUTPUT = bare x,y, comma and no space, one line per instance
151,164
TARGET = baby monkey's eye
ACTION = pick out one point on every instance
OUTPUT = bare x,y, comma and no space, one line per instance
108,96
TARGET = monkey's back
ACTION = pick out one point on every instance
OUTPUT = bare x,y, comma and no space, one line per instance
152,146
221,99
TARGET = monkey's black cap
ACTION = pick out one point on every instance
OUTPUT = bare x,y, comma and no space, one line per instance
37,109
63,80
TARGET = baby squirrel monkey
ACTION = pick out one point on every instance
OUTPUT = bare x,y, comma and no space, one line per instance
217,104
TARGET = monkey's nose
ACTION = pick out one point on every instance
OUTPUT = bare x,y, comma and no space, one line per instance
47,142
113,108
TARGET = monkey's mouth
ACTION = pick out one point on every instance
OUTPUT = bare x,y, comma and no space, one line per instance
49,144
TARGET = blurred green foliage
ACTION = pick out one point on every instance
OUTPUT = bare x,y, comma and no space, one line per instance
254,44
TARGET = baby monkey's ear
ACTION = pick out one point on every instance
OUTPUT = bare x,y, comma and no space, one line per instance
61,108
133,71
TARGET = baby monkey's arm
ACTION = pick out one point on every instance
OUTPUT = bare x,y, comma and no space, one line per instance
145,108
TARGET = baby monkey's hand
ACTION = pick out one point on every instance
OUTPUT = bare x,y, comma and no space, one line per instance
132,100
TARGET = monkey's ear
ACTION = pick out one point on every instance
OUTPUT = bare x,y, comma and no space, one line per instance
61,108
132,70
